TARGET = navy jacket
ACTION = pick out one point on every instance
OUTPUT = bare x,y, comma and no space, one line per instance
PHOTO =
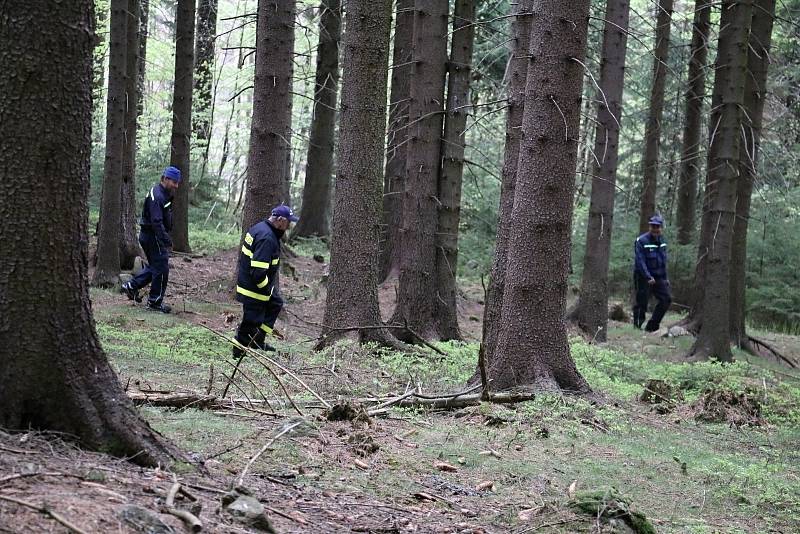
650,253
258,263
157,215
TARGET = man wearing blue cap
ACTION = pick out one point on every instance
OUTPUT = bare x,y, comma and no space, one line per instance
156,223
650,275
256,286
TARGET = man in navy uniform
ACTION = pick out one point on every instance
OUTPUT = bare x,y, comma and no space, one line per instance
156,224
256,286
650,275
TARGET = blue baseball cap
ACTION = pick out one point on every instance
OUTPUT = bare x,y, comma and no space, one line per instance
173,173
656,220
285,212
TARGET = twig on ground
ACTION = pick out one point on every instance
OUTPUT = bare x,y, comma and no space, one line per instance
263,449
16,451
46,511
194,524
25,475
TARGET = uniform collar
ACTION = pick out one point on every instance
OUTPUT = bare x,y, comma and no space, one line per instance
164,190
278,233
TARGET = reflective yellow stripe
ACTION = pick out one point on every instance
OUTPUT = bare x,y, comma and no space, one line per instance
247,252
252,294
275,261
248,239
258,264
265,282
266,329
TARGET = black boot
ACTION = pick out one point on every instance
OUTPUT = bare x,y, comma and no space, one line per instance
163,308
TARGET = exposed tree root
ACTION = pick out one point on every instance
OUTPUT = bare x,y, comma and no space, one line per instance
753,345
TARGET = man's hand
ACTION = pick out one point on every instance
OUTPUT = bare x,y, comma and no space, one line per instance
652,281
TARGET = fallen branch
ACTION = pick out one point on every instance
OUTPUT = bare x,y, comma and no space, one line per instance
194,524
462,400
46,511
176,400
266,446
773,350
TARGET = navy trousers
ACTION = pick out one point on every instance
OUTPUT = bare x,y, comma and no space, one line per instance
660,290
258,320
157,271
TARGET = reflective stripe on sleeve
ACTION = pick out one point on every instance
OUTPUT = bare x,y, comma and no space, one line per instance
255,264
651,246
265,282
663,244
248,239
247,252
252,294
168,204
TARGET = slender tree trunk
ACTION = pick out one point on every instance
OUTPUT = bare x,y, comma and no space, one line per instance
653,128
204,73
102,10
53,373
691,153
108,239
352,293
182,121
416,303
397,143
272,117
713,339
532,348
129,242
319,168
755,93
144,18
591,311
517,76
450,176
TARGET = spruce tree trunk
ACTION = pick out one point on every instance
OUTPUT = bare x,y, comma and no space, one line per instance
316,206
352,292
713,339
53,373
129,242
416,304
182,121
144,17
517,76
591,311
204,73
755,94
102,9
653,128
532,348
691,152
397,141
107,270
450,176
272,116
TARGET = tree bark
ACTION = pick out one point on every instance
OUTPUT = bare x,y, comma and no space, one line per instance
416,304
691,152
316,207
102,9
53,373
180,154
272,117
397,143
204,73
517,76
450,175
108,239
591,311
713,339
129,242
144,18
755,93
653,128
532,348
352,293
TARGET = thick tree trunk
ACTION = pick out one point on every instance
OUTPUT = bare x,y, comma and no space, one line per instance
713,339
691,153
653,129
532,348
397,142
416,304
352,293
450,176
53,373
182,121
517,76
108,238
755,93
129,242
591,311
272,116
316,206
204,74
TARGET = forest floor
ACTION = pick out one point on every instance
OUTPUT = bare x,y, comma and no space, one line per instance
718,455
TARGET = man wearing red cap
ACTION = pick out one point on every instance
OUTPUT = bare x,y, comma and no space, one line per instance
156,224
256,286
